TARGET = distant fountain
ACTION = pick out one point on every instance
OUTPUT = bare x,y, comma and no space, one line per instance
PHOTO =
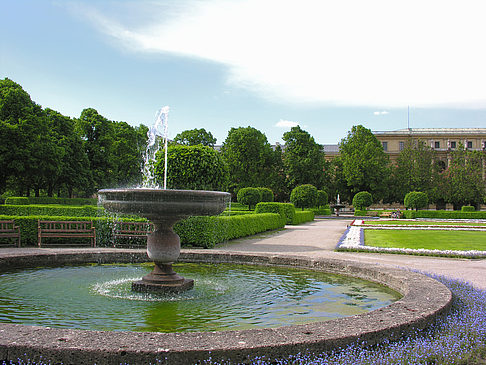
164,208
337,206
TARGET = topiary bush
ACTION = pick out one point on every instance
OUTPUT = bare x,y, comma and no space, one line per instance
468,208
362,200
322,198
249,196
271,207
267,194
304,196
416,200
303,216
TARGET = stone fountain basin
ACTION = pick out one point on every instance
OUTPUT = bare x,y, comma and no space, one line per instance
423,300
156,203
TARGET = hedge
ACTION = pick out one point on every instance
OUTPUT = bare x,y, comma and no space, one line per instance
52,210
444,214
303,216
322,211
270,207
22,200
195,231
360,213
468,208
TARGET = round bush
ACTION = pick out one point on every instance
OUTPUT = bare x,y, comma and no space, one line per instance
362,200
416,200
304,196
249,196
267,194
322,198
468,208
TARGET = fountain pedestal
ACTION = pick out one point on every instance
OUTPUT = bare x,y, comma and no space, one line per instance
164,208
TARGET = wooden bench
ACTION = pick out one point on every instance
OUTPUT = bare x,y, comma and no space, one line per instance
66,229
386,215
132,229
8,229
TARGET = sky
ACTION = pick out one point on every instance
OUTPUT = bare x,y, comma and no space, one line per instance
270,64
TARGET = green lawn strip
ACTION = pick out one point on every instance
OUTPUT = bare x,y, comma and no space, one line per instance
429,240
420,223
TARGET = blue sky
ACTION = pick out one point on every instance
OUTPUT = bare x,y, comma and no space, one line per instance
326,65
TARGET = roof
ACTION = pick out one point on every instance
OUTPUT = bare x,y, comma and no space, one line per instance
433,131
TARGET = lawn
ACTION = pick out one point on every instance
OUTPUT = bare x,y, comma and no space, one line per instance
420,223
425,239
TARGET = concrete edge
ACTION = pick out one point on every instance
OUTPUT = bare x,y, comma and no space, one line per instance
423,300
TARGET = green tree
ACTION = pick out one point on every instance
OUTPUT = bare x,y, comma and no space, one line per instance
362,200
416,200
303,159
249,196
267,194
249,157
365,164
194,137
322,198
193,168
304,196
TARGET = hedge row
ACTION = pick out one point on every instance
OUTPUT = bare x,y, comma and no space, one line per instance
195,231
16,200
303,216
360,213
444,214
286,210
52,210
321,211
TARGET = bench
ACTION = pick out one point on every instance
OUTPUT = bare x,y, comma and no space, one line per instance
132,229
8,229
66,229
386,215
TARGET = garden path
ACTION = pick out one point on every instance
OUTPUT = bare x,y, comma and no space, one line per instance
319,238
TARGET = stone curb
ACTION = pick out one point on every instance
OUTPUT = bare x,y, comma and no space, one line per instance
423,300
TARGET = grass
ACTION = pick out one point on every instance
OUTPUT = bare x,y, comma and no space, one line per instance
421,223
429,240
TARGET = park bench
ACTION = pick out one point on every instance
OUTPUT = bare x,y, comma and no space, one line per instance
66,229
132,230
386,215
8,229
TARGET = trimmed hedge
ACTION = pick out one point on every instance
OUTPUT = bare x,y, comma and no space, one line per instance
444,214
270,207
303,216
360,213
22,200
52,210
208,231
196,231
322,211
467,208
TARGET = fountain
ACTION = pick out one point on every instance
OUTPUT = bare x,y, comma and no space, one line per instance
163,208
337,206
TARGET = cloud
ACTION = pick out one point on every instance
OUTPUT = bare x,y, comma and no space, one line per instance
349,52
384,112
286,124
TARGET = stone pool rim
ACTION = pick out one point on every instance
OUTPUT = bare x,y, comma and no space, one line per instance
423,300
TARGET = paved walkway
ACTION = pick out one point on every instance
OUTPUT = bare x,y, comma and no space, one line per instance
319,238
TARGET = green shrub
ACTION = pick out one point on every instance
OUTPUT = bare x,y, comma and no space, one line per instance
304,196
360,213
52,210
267,194
322,211
303,216
362,200
416,200
322,198
44,200
270,207
289,209
468,208
249,196
443,214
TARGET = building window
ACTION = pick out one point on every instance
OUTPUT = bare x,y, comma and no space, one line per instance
385,146
401,145
436,144
453,145
469,144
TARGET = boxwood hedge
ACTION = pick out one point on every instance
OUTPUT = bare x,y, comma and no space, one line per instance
444,214
22,200
52,210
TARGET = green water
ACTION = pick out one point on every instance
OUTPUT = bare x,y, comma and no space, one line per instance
225,297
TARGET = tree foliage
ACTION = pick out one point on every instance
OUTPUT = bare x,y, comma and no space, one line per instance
249,196
322,198
365,164
304,196
193,168
416,200
267,194
194,137
362,200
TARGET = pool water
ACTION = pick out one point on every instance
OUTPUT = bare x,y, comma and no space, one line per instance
225,297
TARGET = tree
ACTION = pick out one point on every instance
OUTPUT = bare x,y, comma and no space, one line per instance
194,137
365,164
362,200
303,159
322,198
193,168
416,200
249,196
249,157
304,196
267,194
